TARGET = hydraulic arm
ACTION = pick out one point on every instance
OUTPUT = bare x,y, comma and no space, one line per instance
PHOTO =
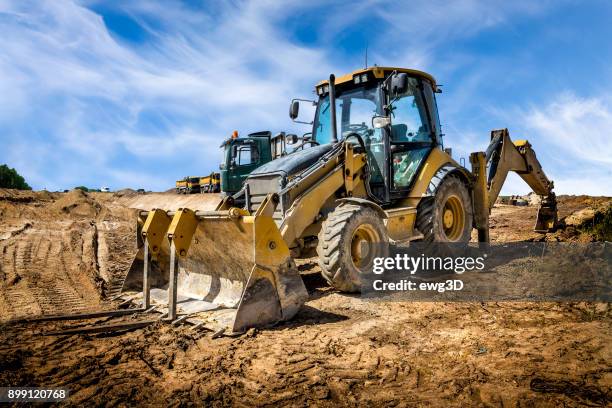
503,156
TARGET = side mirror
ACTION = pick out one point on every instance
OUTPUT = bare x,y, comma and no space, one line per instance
399,83
291,139
379,122
294,109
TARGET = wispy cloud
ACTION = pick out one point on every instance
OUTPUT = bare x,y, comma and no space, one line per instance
580,127
95,95
84,104
571,137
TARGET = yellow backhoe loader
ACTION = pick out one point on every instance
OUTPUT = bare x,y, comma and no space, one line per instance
373,172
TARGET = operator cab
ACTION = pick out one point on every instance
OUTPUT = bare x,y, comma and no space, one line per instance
240,157
393,112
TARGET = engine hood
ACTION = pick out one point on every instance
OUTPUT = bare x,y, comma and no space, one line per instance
293,163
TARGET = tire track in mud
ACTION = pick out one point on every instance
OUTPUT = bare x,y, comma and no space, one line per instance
63,253
45,272
115,252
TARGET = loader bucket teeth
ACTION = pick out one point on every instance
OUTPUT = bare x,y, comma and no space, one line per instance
232,270
151,227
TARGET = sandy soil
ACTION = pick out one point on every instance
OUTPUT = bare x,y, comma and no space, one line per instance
62,252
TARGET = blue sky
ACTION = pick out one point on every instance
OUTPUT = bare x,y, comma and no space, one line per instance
140,93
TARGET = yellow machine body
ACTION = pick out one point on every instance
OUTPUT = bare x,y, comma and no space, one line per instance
233,268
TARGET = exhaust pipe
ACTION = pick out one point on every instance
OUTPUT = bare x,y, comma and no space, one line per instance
332,102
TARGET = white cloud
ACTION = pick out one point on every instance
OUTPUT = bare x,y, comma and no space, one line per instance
94,96
80,103
570,135
581,127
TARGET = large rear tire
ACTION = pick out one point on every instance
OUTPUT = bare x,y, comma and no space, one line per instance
446,217
349,240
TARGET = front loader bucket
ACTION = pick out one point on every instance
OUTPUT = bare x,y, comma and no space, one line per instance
227,269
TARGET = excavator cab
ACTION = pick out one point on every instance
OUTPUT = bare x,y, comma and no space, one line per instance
394,118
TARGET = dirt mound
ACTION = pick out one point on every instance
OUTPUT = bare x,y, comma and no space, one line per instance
61,253
25,196
126,192
49,269
580,217
533,199
77,203
592,224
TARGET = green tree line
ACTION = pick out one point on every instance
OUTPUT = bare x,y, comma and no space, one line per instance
9,178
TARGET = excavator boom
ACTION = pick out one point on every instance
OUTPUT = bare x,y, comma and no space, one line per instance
503,156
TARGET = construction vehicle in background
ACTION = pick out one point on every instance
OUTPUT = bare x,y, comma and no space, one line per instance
210,183
373,172
188,185
181,185
242,155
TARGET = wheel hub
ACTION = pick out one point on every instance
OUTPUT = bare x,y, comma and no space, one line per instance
453,218
448,218
362,244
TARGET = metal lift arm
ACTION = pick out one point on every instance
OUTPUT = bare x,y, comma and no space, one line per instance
503,156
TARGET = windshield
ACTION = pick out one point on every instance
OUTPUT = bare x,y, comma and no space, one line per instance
354,112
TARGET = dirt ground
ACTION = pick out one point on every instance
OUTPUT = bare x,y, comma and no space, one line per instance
62,253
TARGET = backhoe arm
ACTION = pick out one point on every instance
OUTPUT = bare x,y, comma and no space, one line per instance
503,156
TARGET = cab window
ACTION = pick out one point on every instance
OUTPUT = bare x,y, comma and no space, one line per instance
405,166
246,154
411,134
409,116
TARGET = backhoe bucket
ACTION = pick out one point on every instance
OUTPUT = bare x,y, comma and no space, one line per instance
227,269
547,218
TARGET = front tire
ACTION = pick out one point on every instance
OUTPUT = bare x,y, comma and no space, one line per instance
349,240
446,217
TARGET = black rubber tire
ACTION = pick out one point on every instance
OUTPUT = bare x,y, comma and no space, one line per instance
430,211
335,240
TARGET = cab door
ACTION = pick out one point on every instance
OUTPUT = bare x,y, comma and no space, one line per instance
411,137
244,159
